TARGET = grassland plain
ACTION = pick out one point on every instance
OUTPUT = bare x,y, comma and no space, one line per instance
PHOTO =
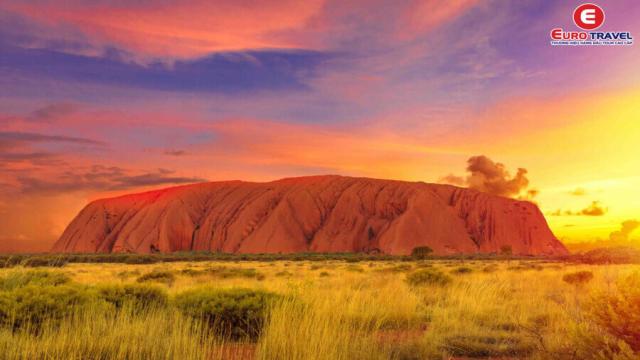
322,309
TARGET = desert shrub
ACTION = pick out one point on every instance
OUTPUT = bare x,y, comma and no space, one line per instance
324,274
490,268
192,272
400,268
30,306
225,272
618,312
9,261
140,259
421,252
578,277
423,264
127,274
428,277
525,266
34,277
315,267
136,296
6,308
164,277
490,345
235,272
231,313
462,270
396,268
590,342
44,261
617,255
355,268
283,273
194,256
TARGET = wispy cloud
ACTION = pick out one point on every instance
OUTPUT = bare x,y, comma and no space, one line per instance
7,137
52,112
100,178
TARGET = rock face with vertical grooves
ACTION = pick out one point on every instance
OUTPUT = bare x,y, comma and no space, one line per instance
310,214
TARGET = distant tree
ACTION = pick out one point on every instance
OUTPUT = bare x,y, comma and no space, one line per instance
506,250
421,252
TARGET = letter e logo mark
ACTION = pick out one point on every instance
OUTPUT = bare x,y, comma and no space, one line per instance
588,16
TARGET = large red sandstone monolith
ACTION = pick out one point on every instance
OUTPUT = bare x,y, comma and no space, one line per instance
310,214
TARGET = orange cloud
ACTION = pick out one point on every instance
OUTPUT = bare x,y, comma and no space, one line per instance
594,209
626,228
493,178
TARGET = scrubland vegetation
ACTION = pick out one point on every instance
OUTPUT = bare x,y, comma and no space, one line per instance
319,308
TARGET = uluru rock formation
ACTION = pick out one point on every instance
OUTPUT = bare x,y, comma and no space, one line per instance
310,214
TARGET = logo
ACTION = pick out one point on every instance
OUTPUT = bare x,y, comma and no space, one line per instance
589,17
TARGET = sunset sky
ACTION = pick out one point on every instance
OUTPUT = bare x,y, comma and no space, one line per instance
100,98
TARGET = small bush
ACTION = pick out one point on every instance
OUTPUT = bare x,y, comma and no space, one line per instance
490,268
423,264
235,272
616,255
44,261
578,278
123,275
283,273
224,272
462,270
233,313
35,277
488,346
428,277
590,342
525,267
164,277
140,259
355,268
421,252
9,261
6,308
137,296
324,274
192,272
399,268
618,312
30,306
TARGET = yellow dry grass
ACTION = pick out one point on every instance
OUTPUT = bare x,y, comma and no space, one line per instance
338,310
